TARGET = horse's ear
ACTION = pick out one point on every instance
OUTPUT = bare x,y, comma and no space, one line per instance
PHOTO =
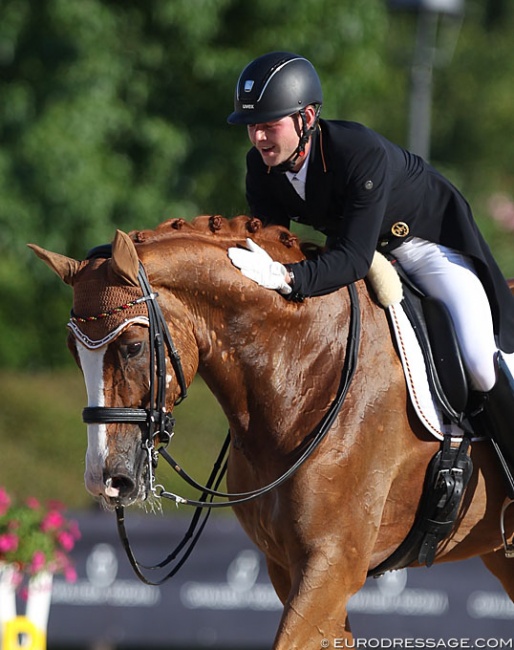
65,267
125,262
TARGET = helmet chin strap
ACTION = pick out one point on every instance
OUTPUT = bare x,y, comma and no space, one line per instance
289,164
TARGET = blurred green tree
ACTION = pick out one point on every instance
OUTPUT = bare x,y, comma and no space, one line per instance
113,115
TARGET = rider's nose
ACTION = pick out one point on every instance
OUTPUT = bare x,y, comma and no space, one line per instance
260,135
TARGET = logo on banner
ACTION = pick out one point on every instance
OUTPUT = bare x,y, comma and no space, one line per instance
102,566
490,604
240,591
102,586
390,595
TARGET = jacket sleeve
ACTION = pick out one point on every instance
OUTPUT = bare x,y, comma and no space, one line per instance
365,177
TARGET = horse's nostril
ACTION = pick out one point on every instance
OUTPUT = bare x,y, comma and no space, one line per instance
119,485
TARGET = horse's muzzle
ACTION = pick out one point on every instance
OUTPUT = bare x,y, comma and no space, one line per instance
119,483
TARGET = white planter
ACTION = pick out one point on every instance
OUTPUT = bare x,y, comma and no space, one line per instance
35,621
39,598
8,583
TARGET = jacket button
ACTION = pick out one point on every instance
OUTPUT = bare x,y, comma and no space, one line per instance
400,229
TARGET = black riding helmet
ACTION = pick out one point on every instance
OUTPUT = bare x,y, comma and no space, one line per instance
273,86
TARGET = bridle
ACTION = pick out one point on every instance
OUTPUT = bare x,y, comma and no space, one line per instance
159,422
160,428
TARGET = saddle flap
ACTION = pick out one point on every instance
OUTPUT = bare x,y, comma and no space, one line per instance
436,336
446,353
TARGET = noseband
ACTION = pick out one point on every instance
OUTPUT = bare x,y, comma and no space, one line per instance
158,421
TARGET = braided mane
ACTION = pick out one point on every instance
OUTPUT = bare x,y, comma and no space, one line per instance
233,229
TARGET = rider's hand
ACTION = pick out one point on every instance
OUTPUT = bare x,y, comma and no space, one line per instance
257,265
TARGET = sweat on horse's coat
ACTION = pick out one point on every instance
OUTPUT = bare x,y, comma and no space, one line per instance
275,366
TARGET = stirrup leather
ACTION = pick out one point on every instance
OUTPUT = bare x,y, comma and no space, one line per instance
508,546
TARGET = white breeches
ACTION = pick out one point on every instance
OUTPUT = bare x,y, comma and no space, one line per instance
443,273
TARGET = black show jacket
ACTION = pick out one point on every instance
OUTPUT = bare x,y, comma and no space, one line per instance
366,193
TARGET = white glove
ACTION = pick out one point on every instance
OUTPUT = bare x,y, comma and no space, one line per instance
257,265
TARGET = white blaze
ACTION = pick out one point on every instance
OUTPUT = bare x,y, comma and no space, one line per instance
91,362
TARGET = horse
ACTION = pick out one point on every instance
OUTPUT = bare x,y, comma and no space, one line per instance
274,365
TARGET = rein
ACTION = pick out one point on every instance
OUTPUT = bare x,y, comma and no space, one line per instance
317,436
209,491
160,424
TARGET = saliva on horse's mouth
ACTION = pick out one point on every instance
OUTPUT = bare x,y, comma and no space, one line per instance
111,503
110,490
122,491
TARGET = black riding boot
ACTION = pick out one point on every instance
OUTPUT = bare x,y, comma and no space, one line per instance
497,420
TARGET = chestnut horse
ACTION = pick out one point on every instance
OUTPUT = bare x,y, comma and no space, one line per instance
274,366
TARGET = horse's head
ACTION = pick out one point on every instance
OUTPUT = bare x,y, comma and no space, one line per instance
119,336
131,383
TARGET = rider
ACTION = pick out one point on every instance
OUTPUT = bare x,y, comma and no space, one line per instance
365,194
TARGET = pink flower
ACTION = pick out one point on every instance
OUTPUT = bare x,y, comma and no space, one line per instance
56,505
17,579
66,540
8,542
52,521
70,574
75,530
35,537
5,502
33,503
38,562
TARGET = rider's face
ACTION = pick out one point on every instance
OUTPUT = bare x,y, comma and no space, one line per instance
276,141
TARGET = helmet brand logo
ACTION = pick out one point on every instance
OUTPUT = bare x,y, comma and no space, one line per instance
248,106
248,85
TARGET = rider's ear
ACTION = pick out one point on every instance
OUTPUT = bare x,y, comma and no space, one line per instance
310,114
125,262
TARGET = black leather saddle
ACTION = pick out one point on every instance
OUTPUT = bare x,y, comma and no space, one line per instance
436,335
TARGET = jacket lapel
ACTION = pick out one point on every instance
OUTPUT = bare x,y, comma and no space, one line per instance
319,179
289,197
317,187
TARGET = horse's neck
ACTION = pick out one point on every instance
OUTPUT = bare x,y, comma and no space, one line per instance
273,366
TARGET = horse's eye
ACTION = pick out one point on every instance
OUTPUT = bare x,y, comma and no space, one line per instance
133,349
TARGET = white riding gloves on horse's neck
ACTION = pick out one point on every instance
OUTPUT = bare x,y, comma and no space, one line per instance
257,265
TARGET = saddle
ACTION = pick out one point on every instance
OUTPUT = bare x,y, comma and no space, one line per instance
435,332
451,467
